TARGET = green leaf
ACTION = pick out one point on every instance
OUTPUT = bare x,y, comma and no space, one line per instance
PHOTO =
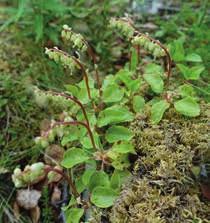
112,93
114,114
87,175
119,161
124,147
155,81
184,70
118,178
187,106
193,57
138,103
186,90
117,133
74,90
99,178
79,185
134,59
134,85
158,110
125,76
195,72
108,80
177,50
71,135
192,73
73,157
73,215
103,197
153,68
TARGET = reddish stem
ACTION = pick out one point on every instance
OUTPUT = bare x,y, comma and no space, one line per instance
169,60
66,177
74,99
80,65
77,123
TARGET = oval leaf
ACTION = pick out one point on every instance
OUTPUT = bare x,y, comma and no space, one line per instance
99,178
73,157
193,57
103,197
187,106
73,215
117,133
124,147
114,114
155,81
138,103
158,110
112,93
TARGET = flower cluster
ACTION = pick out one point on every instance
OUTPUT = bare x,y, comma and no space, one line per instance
76,38
148,45
61,57
43,98
29,176
35,173
123,26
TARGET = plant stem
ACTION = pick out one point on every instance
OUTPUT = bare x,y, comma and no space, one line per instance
66,177
74,122
169,60
93,56
80,65
74,99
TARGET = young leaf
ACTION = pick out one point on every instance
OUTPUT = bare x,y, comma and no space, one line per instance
73,157
193,57
155,81
187,106
138,103
99,178
117,133
114,114
103,197
73,215
158,110
124,147
112,93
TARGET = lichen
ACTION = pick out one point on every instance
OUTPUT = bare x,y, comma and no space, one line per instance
163,188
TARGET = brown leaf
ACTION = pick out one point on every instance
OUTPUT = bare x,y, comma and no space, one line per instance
35,214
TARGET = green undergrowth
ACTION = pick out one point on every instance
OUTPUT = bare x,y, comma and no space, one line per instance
163,188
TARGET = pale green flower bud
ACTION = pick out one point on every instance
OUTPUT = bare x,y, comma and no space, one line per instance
122,26
37,167
44,143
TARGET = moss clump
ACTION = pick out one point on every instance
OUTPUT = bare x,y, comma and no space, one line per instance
163,188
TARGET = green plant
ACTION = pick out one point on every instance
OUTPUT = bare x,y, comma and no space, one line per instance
187,36
94,127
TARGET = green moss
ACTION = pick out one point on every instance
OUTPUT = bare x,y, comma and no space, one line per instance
163,188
